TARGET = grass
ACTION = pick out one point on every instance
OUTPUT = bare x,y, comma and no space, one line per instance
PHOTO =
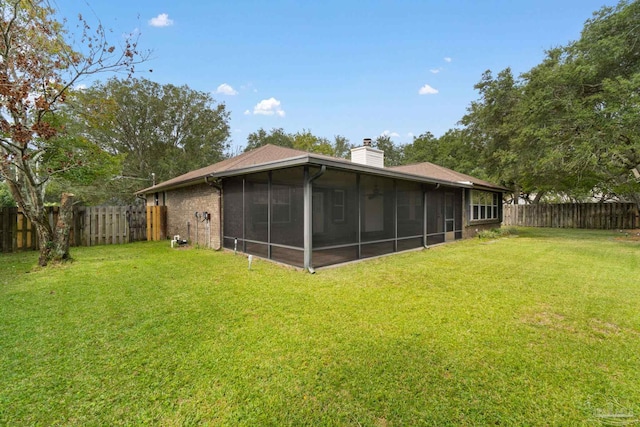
542,328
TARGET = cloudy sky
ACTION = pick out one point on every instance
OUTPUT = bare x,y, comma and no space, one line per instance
352,68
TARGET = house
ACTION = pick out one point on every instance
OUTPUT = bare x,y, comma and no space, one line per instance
309,210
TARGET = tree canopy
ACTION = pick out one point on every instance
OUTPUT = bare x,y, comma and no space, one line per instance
302,140
569,126
159,131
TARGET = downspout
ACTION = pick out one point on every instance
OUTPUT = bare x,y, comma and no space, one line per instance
216,185
426,231
308,223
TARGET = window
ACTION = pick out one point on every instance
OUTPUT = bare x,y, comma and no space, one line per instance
338,206
409,206
281,203
259,197
484,205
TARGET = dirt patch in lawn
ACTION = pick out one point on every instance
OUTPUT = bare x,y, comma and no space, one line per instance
626,235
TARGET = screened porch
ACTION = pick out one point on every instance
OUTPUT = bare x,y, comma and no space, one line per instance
311,217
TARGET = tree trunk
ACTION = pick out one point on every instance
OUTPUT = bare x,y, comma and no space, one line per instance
43,229
60,247
536,200
54,243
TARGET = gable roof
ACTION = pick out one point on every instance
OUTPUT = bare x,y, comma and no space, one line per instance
269,157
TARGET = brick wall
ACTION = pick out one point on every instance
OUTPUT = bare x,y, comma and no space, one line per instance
183,203
473,229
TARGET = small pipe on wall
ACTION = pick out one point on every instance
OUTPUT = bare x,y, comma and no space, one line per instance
215,184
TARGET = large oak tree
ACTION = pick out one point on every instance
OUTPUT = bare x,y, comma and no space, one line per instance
157,130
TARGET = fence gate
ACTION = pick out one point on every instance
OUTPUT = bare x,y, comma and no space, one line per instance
156,222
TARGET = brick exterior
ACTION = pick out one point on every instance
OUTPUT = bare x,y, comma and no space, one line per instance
474,228
182,204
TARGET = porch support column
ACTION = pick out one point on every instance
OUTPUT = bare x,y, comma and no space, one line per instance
269,215
424,215
359,193
308,215
395,215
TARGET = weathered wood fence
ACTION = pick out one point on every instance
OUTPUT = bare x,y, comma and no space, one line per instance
605,216
103,225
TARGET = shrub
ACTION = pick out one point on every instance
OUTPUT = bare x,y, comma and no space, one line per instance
495,233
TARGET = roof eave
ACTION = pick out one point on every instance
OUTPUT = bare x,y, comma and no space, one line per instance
311,159
161,187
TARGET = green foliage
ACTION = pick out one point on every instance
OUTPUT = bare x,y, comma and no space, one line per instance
341,147
306,141
6,200
40,63
303,140
164,130
496,233
274,137
462,334
454,150
393,154
571,124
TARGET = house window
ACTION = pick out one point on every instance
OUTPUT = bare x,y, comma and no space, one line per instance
259,202
338,206
484,205
281,203
409,205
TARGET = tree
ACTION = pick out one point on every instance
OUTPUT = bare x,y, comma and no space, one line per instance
453,150
38,69
274,136
582,109
306,141
393,154
341,147
491,123
303,140
158,130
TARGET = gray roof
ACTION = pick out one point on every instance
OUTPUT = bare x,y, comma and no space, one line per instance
270,157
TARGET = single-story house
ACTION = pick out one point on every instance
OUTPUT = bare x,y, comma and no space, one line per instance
310,210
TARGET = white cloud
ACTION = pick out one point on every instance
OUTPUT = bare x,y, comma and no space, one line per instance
161,20
269,107
390,134
447,59
410,135
435,70
247,112
226,89
427,90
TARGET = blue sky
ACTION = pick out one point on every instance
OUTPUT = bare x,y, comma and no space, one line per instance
352,68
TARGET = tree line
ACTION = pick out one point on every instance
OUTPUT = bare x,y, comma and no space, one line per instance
569,127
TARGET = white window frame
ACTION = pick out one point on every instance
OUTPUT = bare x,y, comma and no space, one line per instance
484,205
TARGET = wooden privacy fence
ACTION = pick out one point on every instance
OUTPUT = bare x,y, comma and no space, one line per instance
90,226
605,216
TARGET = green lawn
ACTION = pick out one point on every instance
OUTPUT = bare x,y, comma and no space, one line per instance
538,329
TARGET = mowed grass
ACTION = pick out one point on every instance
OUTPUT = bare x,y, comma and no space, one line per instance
538,329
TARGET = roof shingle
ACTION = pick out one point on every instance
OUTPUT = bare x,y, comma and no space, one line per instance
272,153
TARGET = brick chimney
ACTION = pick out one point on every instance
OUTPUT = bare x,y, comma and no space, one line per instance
367,155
